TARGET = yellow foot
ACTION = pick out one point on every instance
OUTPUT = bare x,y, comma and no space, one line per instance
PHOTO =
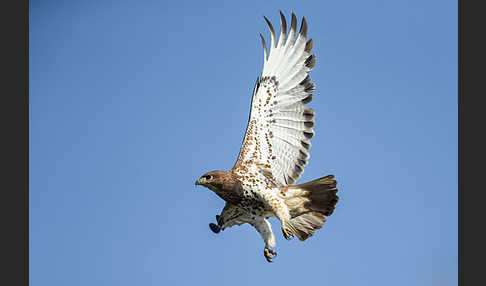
287,233
267,252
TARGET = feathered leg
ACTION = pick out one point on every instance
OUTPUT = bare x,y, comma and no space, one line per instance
281,211
265,229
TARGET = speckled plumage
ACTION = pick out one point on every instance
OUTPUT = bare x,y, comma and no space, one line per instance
275,148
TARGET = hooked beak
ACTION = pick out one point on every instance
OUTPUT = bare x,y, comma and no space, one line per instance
202,181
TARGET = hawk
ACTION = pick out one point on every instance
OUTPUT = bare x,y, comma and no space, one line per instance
275,149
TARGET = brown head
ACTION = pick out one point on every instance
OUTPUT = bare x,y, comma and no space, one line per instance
223,183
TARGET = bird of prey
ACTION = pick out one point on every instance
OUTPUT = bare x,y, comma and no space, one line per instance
275,149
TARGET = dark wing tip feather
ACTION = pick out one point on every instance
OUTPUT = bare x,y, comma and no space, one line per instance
294,20
309,45
306,145
310,62
307,99
309,124
308,134
308,85
270,26
283,26
298,169
293,24
303,28
303,155
303,162
308,116
305,81
310,88
309,111
264,47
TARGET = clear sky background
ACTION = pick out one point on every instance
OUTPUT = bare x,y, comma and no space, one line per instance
132,101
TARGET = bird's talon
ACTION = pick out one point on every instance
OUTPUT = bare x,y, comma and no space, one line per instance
267,252
287,234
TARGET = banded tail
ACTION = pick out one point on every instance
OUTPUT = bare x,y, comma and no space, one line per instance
309,204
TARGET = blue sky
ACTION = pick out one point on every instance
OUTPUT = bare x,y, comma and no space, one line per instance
131,101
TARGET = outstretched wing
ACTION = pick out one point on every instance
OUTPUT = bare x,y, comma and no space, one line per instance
279,129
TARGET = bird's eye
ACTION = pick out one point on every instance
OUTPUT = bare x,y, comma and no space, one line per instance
207,177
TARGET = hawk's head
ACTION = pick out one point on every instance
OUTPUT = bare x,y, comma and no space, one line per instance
224,184
213,180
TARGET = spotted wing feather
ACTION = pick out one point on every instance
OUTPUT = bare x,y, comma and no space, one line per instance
280,127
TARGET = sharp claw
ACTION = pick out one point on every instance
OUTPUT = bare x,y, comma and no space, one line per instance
267,255
267,252
286,234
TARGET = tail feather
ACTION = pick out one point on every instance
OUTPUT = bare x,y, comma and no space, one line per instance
309,204
322,194
305,225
